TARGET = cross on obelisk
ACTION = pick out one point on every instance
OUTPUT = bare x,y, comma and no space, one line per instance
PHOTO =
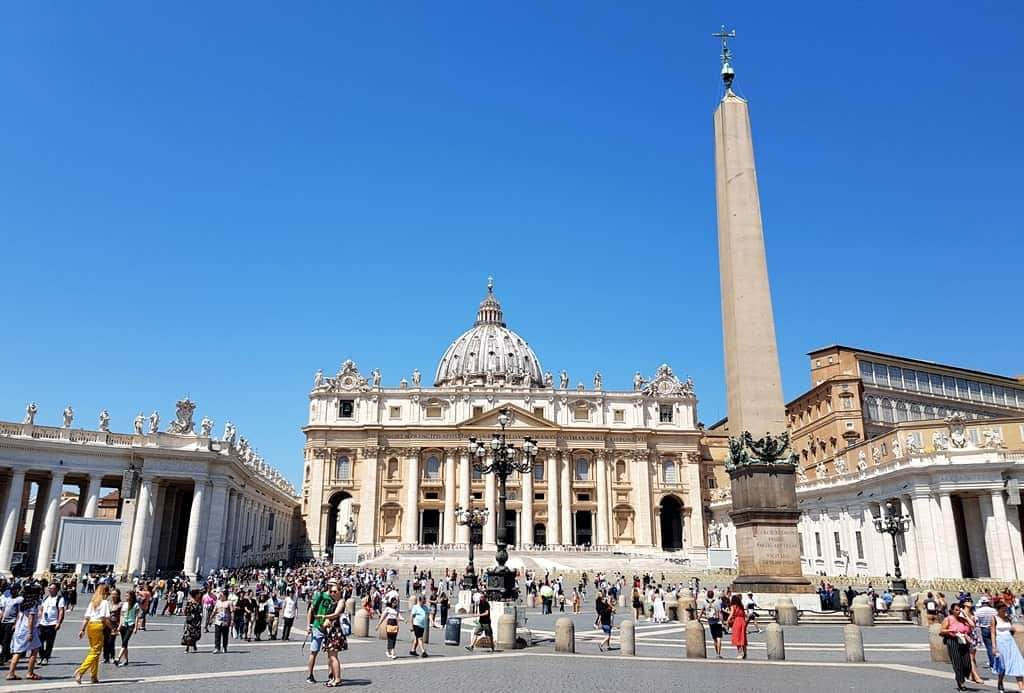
727,72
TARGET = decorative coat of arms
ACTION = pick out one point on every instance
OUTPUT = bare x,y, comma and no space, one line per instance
957,431
666,384
348,379
772,450
183,424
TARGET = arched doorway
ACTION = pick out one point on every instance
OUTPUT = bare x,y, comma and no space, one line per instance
671,512
540,537
339,510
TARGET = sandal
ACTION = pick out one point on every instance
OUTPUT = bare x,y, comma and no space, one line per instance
33,677
12,677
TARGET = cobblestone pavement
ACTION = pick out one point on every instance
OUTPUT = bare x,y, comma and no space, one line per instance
897,658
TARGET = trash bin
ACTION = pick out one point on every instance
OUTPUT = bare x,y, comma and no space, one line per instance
453,631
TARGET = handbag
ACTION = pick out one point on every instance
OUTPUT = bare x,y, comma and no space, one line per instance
392,627
998,666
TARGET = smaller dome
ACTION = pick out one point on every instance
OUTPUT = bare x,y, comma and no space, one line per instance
489,353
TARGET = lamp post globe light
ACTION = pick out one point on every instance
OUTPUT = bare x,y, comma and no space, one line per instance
892,524
474,518
505,459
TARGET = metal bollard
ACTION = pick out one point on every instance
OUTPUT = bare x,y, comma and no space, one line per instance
853,643
565,635
775,643
627,638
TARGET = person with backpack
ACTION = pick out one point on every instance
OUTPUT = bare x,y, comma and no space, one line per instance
321,606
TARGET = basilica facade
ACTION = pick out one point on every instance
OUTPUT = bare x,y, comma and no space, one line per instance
388,466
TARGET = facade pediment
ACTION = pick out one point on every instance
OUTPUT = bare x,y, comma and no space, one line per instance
521,419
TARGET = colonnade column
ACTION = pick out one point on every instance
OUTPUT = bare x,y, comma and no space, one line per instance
229,530
411,512
642,500
195,518
51,522
216,553
952,564
553,533
525,523
449,498
11,516
490,502
565,492
602,500
1000,537
1016,544
465,482
366,528
143,518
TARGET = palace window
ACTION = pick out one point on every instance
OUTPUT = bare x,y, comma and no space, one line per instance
619,415
620,471
477,495
582,497
581,413
901,412
392,469
582,469
839,544
433,412
668,471
895,377
909,379
867,372
431,495
538,472
711,482
346,408
538,496
873,413
887,415
860,545
665,413
343,471
478,410
432,472
477,474
538,412
395,412
817,543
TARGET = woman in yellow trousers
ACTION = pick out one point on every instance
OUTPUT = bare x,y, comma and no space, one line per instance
97,621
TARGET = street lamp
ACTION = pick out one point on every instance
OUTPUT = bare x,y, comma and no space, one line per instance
474,518
505,459
892,524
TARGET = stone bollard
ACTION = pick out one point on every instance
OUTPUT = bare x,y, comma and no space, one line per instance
775,642
565,635
531,600
627,638
853,642
361,624
350,606
506,632
687,609
863,614
786,613
695,646
936,645
901,607
672,611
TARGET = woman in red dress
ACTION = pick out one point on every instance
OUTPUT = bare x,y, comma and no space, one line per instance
738,623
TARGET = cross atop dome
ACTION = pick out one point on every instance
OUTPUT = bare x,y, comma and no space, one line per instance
490,309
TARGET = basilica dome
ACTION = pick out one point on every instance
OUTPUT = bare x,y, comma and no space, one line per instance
489,353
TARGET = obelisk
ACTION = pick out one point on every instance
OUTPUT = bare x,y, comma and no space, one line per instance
760,465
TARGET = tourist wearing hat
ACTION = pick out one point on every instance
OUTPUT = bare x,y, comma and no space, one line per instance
984,615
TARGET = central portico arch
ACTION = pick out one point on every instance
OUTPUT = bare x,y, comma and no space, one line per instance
670,512
338,514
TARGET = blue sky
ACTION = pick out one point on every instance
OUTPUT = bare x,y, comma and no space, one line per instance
195,199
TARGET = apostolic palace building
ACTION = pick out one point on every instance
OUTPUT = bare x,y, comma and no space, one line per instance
614,468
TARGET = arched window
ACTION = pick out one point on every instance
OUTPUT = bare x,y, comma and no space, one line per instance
620,471
433,469
887,415
392,469
901,412
343,470
873,412
583,469
668,471
476,473
538,472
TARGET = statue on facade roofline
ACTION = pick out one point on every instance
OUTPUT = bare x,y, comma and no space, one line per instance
597,380
69,416
375,373
416,376
140,422
549,380
563,380
229,433
638,382
318,379
205,427
30,413
154,422
104,420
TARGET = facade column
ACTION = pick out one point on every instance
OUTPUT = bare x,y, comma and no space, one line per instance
411,513
924,536
914,567
952,567
38,515
216,554
366,528
51,524
565,491
1016,544
553,532
601,538
195,519
143,518
229,530
465,483
449,498
11,517
642,499
525,523
696,504
1001,536
92,495
465,486
491,503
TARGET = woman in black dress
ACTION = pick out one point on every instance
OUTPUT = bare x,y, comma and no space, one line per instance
193,621
261,614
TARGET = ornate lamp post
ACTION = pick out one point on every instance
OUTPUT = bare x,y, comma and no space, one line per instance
506,458
892,524
474,518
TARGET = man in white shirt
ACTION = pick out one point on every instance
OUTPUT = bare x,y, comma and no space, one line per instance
984,615
288,615
51,618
